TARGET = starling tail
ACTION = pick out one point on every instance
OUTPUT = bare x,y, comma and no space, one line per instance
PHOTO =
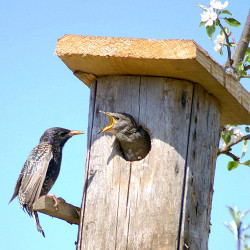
38,226
41,170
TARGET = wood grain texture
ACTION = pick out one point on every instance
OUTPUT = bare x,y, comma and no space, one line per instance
199,171
182,59
140,205
65,211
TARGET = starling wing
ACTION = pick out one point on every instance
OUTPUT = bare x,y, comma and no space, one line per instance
18,184
33,177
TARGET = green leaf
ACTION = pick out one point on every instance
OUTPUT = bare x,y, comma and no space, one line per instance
228,226
232,165
232,22
247,129
201,23
247,59
243,73
227,138
223,137
202,7
227,30
226,12
210,30
231,44
240,66
247,163
244,149
235,214
216,22
247,55
248,51
245,40
241,69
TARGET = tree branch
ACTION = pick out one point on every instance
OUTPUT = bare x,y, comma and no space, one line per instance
227,148
247,76
228,63
235,158
241,48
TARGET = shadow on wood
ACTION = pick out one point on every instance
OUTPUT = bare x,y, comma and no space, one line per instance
65,211
87,183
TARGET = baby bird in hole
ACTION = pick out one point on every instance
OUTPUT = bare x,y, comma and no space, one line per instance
133,140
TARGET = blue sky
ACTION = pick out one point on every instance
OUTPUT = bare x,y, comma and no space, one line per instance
38,92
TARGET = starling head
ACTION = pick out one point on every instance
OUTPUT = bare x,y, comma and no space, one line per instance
58,136
119,122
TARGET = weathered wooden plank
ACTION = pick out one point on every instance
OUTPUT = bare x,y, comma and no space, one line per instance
182,59
102,194
65,211
199,170
156,184
88,174
137,206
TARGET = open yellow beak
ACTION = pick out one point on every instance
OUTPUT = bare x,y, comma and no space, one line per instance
75,132
112,121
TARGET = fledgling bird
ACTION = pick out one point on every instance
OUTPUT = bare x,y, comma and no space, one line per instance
133,141
41,170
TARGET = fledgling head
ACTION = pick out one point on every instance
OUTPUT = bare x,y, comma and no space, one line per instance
119,122
58,136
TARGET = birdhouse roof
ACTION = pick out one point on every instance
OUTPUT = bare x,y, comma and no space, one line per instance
89,57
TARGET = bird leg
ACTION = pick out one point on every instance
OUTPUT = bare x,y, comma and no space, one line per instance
57,200
39,228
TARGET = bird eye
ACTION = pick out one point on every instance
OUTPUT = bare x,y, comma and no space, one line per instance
117,118
63,134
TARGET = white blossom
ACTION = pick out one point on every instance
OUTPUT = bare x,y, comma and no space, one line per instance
218,47
208,17
220,39
228,127
237,132
219,42
216,4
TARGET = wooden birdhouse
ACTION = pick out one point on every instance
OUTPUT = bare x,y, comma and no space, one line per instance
176,91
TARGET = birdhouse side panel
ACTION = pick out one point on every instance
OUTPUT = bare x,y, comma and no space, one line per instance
202,154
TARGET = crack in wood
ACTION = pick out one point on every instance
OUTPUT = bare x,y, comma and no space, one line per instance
139,100
129,179
128,229
185,173
117,213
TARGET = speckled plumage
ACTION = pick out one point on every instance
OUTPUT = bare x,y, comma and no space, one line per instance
133,140
41,169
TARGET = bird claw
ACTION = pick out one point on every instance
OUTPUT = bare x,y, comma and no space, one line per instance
57,200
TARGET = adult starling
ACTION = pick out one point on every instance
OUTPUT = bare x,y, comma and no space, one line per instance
41,170
133,141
